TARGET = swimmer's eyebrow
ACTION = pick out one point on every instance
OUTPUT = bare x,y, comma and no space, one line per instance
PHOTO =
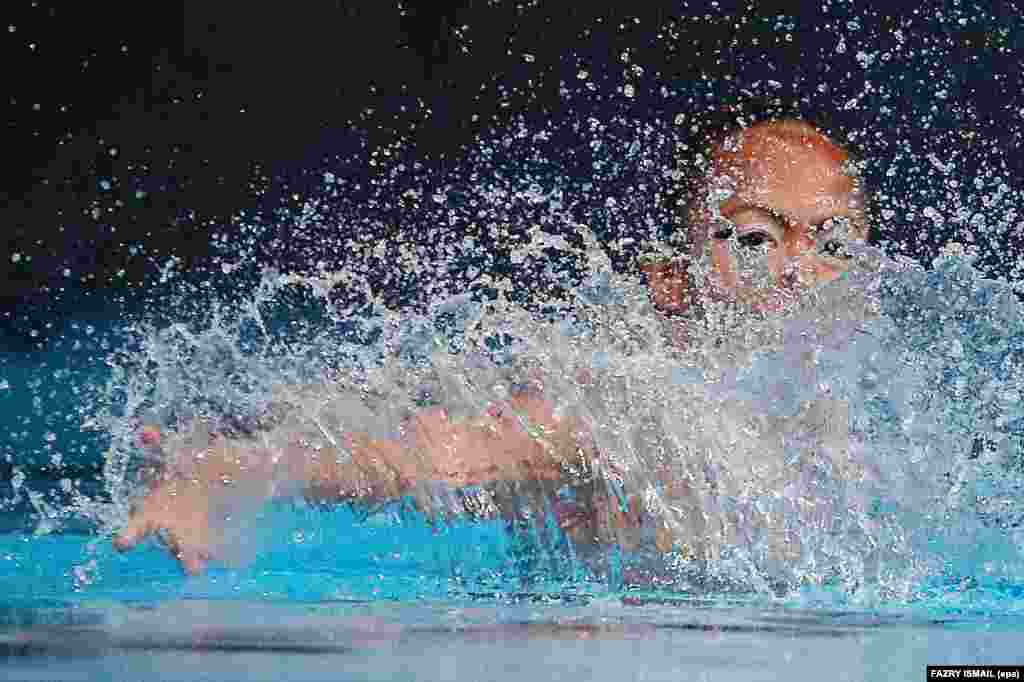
853,208
734,205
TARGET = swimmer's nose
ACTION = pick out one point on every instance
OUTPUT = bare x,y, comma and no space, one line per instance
812,269
801,244
806,264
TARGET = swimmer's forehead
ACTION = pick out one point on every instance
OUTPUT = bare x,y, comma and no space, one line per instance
779,149
790,168
785,133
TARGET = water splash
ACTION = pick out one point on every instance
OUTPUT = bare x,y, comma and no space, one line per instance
830,445
869,440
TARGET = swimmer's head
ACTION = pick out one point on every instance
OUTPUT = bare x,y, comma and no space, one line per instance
773,213
779,204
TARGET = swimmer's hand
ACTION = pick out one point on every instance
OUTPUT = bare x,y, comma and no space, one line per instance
193,497
176,511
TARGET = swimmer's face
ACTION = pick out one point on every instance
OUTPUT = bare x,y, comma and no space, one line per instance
780,206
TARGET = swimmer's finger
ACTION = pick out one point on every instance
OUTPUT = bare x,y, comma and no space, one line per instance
138,528
192,560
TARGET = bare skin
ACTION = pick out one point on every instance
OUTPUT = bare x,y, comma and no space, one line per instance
791,186
182,505
789,181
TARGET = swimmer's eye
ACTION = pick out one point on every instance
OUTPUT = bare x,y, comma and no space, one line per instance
755,238
835,248
833,236
722,232
756,228
840,226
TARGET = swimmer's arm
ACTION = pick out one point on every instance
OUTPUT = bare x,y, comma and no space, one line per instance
198,484
477,451
521,440
367,470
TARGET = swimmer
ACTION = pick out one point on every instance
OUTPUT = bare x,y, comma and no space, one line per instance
779,194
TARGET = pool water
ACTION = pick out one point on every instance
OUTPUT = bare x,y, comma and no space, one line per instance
387,598
607,638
